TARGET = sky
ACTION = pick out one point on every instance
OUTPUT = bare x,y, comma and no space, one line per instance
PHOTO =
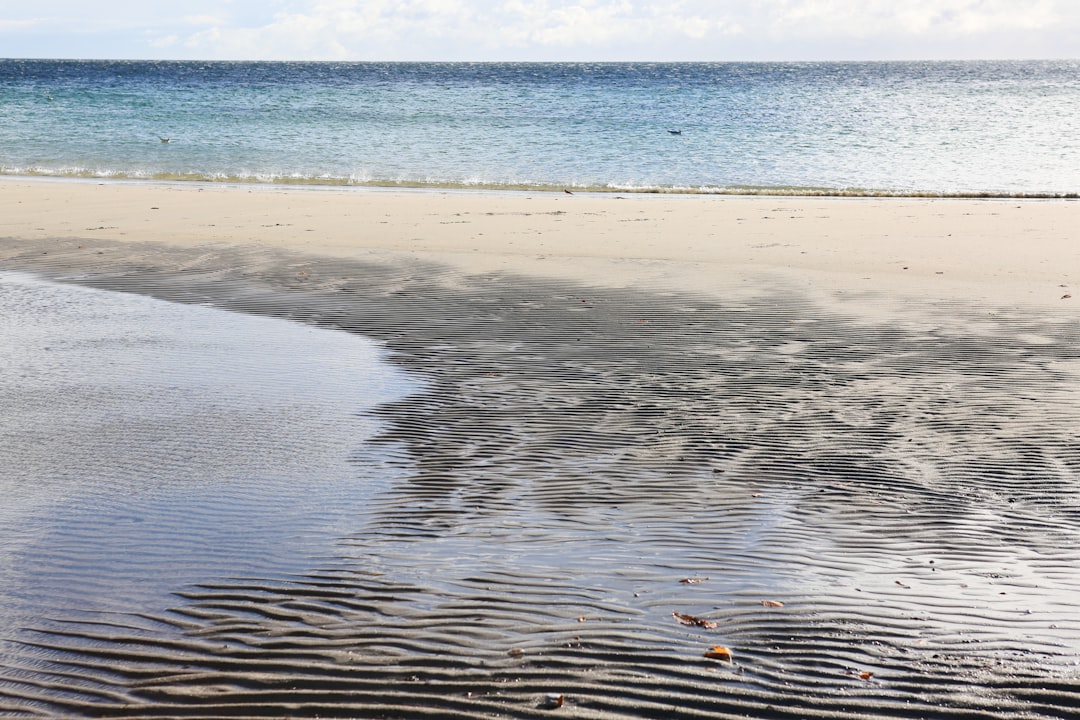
544,30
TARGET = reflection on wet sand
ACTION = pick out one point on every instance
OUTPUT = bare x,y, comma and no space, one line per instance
572,454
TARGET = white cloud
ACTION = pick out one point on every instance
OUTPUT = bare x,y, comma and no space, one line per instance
332,29
580,24
204,20
553,29
7,26
597,24
416,29
912,18
164,41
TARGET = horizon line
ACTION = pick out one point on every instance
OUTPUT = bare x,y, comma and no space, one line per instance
546,62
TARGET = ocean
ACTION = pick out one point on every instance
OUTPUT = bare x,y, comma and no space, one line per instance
882,128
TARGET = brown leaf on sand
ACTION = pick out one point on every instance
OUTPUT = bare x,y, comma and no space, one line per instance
1066,296
866,675
772,603
692,620
719,652
693,580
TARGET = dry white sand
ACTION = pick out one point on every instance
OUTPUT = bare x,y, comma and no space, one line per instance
990,252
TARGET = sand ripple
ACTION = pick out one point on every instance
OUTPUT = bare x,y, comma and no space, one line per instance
907,489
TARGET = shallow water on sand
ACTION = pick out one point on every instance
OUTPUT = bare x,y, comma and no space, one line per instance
147,445
530,517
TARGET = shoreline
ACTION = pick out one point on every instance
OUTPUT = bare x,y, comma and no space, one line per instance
993,252
619,396
346,184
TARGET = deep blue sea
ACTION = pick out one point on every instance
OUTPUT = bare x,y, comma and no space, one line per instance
911,128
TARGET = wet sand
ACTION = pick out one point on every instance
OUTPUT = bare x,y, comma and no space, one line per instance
863,410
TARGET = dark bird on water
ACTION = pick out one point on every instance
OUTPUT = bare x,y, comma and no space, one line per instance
675,132
165,140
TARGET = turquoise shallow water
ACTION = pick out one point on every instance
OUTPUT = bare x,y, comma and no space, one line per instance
980,128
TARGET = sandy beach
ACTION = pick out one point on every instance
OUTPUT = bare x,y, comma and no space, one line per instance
835,437
989,251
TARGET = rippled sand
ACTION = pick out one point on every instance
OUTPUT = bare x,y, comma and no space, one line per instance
583,460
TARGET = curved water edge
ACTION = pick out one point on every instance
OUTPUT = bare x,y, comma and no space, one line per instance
149,445
580,463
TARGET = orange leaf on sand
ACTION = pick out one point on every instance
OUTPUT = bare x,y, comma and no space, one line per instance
719,652
866,675
772,603
692,620
552,701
